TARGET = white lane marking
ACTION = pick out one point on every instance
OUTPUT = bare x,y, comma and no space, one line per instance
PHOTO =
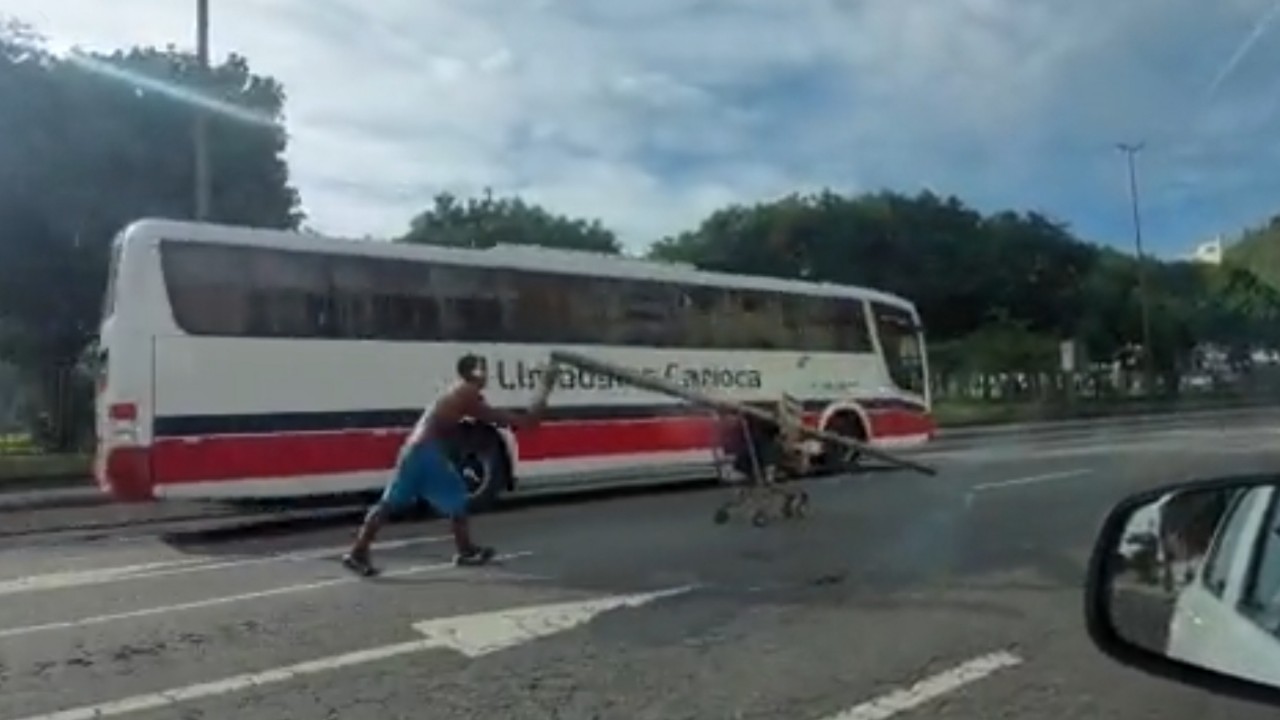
933,687
145,571
1032,479
227,599
153,701
484,633
72,578
470,634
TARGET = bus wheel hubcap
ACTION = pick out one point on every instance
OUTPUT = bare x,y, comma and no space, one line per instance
473,473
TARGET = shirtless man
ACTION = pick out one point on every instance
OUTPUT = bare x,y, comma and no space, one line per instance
424,470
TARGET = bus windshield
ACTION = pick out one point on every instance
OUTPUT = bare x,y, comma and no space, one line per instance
903,345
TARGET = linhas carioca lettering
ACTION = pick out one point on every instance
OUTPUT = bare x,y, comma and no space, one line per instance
521,375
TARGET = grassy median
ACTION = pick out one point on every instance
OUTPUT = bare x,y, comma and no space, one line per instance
22,462
36,467
970,413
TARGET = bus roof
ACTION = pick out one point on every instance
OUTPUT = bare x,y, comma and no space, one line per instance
515,257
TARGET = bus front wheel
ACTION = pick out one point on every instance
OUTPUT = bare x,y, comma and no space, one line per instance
482,461
838,458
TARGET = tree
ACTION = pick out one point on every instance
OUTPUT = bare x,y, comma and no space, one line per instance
997,292
1258,251
93,142
487,221
962,270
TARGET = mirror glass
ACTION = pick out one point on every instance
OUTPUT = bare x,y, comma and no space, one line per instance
1195,577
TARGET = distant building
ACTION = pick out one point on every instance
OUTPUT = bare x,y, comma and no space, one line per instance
1209,252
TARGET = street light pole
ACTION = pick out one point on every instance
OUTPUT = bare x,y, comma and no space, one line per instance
202,175
1131,150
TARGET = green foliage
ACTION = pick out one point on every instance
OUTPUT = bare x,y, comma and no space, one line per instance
486,221
93,142
1258,251
998,291
961,269
1006,347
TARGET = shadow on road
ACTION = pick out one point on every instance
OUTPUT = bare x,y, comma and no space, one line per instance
302,519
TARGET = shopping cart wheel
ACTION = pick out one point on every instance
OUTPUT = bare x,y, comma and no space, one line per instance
789,506
800,505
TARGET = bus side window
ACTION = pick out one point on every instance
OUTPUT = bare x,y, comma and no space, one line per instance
595,311
290,296
752,320
648,313
208,288
728,311
849,326
795,320
405,306
819,331
381,299
696,319
538,309
767,321
113,276
353,281
472,301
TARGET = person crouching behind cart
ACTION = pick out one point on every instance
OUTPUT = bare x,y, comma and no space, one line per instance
423,469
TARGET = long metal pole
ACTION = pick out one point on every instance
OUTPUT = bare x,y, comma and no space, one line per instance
202,173
1148,352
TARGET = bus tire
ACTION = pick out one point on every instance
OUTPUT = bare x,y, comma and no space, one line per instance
837,459
481,458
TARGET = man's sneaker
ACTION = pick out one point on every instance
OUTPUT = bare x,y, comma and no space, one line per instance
475,556
359,566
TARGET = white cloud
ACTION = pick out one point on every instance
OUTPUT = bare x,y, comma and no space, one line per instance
650,114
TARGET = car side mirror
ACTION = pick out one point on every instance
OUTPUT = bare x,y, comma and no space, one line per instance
1184,583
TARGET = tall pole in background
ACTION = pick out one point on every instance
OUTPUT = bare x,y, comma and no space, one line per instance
1131,151
202,175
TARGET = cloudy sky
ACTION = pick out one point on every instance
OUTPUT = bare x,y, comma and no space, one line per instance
650,113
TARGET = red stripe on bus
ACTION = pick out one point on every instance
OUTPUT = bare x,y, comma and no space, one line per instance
231,457
234,457
900,423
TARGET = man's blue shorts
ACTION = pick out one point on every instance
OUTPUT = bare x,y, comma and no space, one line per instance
424,471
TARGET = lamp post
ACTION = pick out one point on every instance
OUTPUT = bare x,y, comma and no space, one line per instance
1131,151
202,174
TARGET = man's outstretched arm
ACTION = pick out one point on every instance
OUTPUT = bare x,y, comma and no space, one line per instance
478,408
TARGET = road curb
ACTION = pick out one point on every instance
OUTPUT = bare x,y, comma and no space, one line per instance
64,498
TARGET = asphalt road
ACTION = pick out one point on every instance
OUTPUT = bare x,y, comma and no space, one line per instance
968,581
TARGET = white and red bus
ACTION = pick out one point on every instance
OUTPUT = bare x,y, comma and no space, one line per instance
238,362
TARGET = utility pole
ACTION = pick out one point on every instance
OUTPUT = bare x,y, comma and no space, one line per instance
202,174
1131,151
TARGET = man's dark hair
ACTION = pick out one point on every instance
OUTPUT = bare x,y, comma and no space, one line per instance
468,365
